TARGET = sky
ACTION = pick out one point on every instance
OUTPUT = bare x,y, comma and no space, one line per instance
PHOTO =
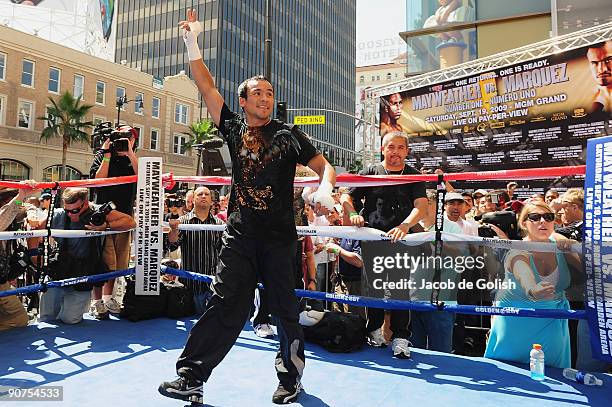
378,25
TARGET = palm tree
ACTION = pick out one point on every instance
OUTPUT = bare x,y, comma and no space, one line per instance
65,119
202,135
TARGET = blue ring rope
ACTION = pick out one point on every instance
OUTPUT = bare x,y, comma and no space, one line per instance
340,298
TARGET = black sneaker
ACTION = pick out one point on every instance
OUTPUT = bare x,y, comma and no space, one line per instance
182,389
286,394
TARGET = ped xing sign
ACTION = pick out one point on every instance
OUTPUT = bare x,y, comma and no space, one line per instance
309,120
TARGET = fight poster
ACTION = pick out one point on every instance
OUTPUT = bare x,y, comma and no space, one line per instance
533,114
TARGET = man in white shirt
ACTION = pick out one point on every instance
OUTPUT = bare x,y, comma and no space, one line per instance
455,208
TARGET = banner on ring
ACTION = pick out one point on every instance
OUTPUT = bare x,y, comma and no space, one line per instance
148,236
597,246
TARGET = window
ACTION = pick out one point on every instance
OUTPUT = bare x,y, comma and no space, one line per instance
100,93
155,108
178,147
53,173
24,114
138,103
13,170
181,113
2,108
389,76
2,65
361,79
121,95
154,144
77,87
27,73
54,80
97,120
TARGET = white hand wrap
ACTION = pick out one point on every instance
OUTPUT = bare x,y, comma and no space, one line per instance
191,41
323,195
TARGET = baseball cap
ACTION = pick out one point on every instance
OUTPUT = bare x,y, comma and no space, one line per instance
453,196
482,192
45,195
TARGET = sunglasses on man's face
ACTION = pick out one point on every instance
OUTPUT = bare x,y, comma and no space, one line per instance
535,217
76,210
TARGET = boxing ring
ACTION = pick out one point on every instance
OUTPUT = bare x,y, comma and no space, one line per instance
117,361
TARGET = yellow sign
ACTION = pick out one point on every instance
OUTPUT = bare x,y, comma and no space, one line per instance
309,120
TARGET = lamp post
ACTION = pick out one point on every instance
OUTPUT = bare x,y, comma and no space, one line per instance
123,100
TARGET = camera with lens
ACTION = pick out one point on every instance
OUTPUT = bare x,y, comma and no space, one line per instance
15,265
175,202
105,131
98,217
505,220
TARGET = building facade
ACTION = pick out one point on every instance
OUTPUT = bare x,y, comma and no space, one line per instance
313,54
32,70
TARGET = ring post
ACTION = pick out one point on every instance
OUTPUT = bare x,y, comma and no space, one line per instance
148,236
597,248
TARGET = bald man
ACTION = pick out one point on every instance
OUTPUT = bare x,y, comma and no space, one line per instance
199,249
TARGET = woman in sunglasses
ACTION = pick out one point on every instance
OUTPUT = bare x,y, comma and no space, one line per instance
534,280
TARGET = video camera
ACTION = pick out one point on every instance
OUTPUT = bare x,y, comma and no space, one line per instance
15,265
119,139
505,220
175,202
98,217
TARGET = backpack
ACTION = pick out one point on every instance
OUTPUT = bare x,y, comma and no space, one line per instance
141,307
338,332
180,301
173,301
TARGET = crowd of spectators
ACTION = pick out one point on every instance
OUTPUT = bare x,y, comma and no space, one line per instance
542,280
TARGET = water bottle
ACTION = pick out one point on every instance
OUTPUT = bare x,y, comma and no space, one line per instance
536,362
581,377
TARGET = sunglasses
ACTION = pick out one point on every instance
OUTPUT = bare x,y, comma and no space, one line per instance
535,217
76,210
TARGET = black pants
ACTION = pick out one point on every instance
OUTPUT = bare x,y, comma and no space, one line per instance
241,262
263,313
400,321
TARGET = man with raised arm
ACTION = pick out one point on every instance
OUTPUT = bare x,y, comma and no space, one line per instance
260,239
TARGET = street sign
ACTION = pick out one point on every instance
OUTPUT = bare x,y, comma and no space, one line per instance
309,120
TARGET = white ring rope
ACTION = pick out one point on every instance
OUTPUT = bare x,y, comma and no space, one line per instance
339,232
370,234
24,234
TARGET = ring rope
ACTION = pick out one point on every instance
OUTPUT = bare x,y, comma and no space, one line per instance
341,298
346,180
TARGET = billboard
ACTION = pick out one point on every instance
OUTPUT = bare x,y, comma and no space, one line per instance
537,113
87,26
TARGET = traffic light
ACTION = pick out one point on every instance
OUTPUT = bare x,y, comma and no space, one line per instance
281,111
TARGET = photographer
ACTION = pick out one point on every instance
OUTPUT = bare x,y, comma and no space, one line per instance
495,220
115,158
175,205
78,256
12,311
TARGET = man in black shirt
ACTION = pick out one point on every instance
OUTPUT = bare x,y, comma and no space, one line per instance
109,163
393,209
199,248
260,238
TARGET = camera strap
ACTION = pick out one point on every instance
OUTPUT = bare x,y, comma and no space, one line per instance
42,269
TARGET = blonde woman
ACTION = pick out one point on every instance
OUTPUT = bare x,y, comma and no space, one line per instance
537,280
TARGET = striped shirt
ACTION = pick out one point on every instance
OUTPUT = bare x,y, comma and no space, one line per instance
199,249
